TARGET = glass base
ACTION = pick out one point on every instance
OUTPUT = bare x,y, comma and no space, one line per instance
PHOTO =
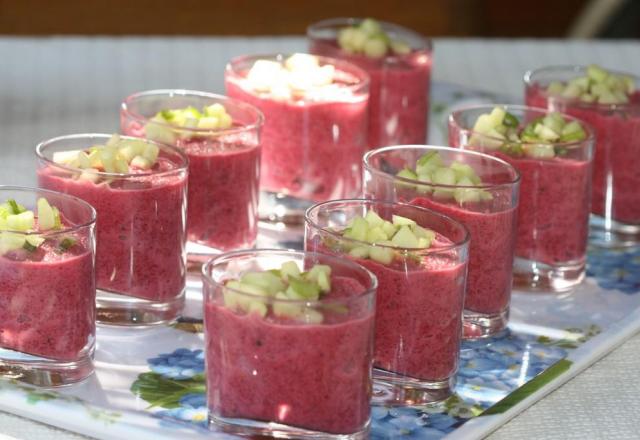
612,234
122,310
476,325
44,372
260,429
281,208
539,277
397,390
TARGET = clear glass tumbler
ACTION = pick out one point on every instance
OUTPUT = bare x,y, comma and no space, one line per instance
140,257
224,164
47,291
399,101
491,223
420,296
615,200
289,377
555,195
312,141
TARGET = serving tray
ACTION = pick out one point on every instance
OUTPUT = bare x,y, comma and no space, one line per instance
150,383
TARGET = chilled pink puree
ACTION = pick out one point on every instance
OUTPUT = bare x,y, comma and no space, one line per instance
140,230
47,301
617,154
399,93
223,187
490,252
418,315
553,211
310,149
311,376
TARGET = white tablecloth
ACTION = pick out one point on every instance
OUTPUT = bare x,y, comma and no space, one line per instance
50,87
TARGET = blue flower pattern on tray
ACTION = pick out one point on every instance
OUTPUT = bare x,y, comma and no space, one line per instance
489,370
615,269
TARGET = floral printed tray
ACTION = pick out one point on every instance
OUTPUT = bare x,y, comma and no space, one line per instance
150,383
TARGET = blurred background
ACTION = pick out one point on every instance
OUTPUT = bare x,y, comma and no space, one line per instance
480,18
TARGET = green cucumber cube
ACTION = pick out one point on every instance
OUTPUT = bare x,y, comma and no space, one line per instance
10,241
404,238
400,47
370,26
425,233
389,229
497,116
373,219
22,222
265,280
545,133
358,230
360,252
305,289
289,269
283,309
383,255
444,176
398,220
597,73
375,235
555,88
539,151
483,124
160,133
46,217
375,47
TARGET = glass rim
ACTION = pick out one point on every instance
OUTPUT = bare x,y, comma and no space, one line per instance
364,79
125,107
423,251
529,81
453,119
313,29
72,198
229,256
49,142
368,166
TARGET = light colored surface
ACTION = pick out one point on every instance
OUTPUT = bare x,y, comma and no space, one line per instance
51,87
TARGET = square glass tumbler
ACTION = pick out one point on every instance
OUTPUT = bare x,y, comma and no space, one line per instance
420,295
491,221
140,256
555,196
47,290
284,376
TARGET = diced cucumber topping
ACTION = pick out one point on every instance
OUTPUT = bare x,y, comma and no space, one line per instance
46,215
370,39
405,238
398,220
212,117
265,280
286,283
11,241
599,85
430,168
383,255
118,155
374,219
289,269
387,238
34,241
549,129
305,289
22,222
